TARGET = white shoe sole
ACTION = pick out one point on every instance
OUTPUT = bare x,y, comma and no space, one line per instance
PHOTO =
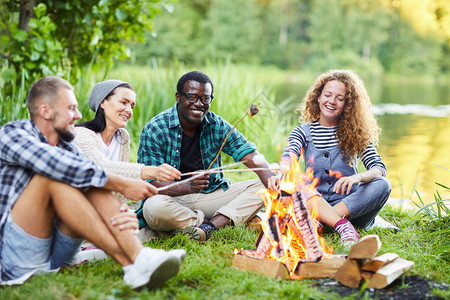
166,270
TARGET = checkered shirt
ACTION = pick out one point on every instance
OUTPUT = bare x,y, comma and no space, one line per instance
24,152
161,137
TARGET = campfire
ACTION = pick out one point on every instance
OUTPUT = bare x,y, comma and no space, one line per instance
290,233
290,246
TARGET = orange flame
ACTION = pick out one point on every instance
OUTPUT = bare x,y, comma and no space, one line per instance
291,241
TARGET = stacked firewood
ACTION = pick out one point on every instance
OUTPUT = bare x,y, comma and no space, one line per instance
362,265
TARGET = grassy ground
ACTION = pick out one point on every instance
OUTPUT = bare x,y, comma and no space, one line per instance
207,272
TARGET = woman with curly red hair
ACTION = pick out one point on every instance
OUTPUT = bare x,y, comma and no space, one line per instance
339,128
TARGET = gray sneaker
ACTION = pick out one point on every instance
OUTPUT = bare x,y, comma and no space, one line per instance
152,267
89,255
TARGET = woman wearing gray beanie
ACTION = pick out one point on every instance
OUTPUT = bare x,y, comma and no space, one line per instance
105,140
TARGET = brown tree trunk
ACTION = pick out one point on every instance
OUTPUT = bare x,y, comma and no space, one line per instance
25,13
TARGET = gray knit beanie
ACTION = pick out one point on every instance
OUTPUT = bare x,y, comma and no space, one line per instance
101,90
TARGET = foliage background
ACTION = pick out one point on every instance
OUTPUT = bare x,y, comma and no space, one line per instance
404,37
51,37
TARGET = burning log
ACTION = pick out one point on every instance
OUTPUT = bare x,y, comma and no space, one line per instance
275,235
276,269
289,235
293,227
263,248
307,229
269,240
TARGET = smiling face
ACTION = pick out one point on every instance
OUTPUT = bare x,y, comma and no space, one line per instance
118,107
331,102
65,114
192,114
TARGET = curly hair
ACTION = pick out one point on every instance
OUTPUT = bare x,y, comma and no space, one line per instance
357,126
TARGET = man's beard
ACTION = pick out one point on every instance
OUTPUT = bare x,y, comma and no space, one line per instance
65,135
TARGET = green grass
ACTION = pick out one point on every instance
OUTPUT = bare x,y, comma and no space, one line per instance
207,272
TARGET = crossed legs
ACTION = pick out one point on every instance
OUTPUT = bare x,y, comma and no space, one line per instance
77,214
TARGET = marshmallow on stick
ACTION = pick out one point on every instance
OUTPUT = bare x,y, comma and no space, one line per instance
259,159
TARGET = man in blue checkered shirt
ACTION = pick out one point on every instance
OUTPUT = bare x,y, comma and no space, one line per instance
51,198
188,136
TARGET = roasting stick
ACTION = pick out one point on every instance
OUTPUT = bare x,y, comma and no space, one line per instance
200,173
258,159
178,182
215,169
229,171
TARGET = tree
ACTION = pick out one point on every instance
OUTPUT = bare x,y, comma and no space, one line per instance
39,38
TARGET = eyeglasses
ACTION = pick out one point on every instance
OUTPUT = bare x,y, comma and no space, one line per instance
192,98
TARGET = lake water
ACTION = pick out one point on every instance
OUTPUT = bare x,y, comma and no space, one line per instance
415,142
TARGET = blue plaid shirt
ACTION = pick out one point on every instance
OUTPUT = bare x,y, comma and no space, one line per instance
24,152
161,137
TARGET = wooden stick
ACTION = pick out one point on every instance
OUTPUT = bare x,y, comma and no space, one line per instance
224,141
197,174
200,173
227,171
215,169
178,182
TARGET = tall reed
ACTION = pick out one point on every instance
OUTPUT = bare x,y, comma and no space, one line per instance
12,105
235,89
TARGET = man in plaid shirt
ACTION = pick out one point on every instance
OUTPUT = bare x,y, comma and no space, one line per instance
188,136
51,198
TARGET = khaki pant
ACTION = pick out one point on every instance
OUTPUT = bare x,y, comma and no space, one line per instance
239,203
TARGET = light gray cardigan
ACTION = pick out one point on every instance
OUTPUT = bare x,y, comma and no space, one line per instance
87,141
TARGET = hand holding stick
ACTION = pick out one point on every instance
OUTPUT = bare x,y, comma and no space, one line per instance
200,173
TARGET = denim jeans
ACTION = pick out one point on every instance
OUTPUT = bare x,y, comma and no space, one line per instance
23,253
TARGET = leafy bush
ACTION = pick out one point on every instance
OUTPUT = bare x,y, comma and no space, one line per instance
41,38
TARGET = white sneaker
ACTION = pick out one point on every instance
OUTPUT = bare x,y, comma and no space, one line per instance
153,267
180,253
89,255
379,222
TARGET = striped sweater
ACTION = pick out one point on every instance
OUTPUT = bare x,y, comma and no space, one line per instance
325,138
